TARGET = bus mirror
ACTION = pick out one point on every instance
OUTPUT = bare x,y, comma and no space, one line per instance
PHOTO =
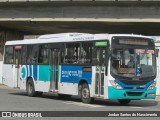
157,51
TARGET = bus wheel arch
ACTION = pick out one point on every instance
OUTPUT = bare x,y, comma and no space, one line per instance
84,92
80,86
27,80
30,88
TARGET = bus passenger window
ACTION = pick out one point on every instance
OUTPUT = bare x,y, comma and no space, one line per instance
43,54
72,53
32,56
86,52
9,55
24,55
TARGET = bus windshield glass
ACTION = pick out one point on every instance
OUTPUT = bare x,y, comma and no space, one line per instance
133,61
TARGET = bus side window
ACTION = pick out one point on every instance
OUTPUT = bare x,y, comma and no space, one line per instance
24,55
86,52
69,54
43,54
72,53
9,55
32,56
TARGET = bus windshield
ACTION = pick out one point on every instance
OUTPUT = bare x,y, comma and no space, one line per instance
133,62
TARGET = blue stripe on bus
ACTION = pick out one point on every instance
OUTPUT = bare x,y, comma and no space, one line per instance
37,72
35,67
73,74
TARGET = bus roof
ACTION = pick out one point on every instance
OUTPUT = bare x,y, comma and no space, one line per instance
67,37
130,35
62,37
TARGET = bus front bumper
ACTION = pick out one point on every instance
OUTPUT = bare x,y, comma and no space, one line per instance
131,94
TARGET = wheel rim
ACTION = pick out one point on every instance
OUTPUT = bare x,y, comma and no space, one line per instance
85,93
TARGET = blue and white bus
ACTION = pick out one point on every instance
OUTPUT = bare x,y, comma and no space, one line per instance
107,66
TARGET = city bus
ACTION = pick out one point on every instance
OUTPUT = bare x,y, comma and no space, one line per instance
108,66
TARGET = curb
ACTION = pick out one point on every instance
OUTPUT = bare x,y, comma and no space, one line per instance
4,86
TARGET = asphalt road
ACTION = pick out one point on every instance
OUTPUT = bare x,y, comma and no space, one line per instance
17,100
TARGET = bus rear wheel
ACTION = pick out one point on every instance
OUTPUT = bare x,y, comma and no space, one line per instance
30,88
85,94
124,101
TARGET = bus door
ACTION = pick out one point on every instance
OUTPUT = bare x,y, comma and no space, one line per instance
54,71
17,60
100,54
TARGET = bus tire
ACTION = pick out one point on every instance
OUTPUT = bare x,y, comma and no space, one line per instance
30,88
85,94
124,101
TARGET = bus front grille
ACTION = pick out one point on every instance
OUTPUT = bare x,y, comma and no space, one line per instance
135,82
134,93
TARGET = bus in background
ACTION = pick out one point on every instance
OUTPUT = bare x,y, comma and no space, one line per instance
107,66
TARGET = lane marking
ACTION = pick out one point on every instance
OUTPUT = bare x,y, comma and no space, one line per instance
83,104
96,106
146,108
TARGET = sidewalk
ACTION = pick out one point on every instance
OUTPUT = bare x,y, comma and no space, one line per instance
2,86
158,97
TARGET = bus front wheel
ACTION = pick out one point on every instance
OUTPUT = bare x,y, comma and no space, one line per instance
124,101
85,94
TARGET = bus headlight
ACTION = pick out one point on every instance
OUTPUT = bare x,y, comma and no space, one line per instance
115,85
151,87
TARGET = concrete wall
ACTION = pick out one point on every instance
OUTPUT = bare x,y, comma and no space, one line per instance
6,36
76,12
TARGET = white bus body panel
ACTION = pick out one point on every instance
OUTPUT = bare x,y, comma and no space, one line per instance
92,88
9,75
42,86
68,88
23,84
